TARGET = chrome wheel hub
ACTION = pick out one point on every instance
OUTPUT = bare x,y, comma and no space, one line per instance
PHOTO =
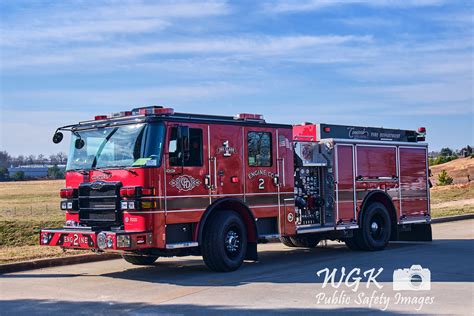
374,227
232,241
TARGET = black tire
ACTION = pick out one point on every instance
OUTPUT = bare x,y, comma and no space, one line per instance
224,242
287,241
140,260
352,244
374,234
305,241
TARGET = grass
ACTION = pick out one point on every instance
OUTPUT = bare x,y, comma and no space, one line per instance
30,199
26,207
452,200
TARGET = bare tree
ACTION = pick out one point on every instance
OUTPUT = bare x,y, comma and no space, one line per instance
5,159
61,157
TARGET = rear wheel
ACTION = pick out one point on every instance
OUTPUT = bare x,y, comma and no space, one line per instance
287,241
224,242
308,241
351,243
376,228
140,260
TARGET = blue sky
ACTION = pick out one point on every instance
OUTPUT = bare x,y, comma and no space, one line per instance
400,64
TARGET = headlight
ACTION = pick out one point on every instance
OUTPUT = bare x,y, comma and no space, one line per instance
45,239
123,241
110,242
101,240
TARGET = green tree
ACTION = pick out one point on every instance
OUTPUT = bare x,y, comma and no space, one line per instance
55,173
18,176
3,174
444,178
446,152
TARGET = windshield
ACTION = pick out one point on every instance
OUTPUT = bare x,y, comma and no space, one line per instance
135,145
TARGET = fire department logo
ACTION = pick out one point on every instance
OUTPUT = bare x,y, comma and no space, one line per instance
185,183
226,149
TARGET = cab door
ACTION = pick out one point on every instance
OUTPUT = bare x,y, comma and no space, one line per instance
186,169
262,191
226,161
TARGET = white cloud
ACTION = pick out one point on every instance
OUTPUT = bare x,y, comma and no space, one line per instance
77,22
252,46
77,32
114,99
285,6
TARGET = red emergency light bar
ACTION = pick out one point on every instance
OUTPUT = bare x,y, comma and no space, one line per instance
248,116
153,110
120,114
100,117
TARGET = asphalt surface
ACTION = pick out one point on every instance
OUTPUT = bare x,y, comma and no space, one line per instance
284,281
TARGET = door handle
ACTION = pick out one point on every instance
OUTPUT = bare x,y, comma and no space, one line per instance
207,181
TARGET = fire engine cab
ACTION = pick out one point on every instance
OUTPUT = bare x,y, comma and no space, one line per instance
151,182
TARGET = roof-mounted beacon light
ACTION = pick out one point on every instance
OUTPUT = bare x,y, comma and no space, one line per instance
120,114
250,117
100,117
421,137
153,110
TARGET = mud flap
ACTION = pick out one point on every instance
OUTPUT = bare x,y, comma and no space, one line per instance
251,251
415,232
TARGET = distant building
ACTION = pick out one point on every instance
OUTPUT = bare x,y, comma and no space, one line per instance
33,171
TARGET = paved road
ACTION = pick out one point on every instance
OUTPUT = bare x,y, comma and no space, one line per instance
284,281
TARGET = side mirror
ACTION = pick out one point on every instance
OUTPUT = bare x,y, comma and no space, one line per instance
79,143
58,137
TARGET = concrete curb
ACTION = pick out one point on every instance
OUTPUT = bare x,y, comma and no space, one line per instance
451,218
54,262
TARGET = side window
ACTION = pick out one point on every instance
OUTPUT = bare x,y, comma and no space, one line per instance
191,159
259,146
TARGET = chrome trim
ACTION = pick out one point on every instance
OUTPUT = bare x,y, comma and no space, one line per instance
277,160
344,227
377,142
399,184
272,236
354,162
415,221
182,245
300,230
336,168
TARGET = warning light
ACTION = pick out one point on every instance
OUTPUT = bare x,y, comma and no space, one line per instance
327,129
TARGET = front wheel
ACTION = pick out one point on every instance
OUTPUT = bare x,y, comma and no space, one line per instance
140,260
225,242
287,241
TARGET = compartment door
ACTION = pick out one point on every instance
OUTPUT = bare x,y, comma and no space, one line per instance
345,183
414,187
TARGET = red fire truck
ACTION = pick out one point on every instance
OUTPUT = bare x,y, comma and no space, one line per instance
151,182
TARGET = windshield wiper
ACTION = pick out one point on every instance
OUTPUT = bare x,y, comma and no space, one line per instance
101,147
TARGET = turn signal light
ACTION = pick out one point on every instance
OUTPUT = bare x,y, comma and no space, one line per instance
67,193
136,191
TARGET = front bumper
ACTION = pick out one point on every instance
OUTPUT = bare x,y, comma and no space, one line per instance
74,238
